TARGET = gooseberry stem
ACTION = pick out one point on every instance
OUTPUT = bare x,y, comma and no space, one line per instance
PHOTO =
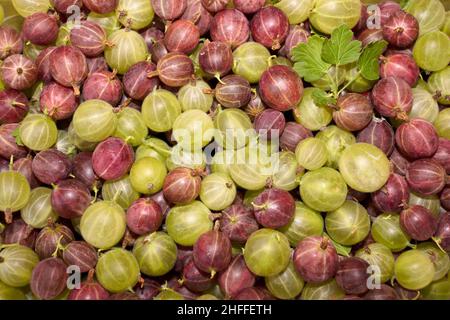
8,216
438,243
259,207
59,246
95,189
348,84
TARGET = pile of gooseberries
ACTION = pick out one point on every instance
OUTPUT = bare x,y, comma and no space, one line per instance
176,149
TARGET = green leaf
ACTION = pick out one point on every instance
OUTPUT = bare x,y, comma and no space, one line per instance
309,64
16,135
341,249
322,98
404,3
71,151
340,49
368,62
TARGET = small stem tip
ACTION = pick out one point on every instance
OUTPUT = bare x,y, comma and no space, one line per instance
90,276
8,216
324,244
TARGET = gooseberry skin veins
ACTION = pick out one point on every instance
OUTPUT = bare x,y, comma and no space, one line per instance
316,259
281,88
